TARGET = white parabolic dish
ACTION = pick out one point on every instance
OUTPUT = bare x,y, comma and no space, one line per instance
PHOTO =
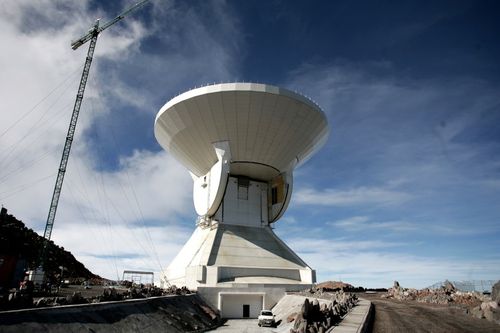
268,128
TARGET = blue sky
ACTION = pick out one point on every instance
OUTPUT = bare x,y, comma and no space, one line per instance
407,187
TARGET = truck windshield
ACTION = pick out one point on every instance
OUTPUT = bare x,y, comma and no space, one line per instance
266,313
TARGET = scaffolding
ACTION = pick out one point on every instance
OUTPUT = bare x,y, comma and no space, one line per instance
138,277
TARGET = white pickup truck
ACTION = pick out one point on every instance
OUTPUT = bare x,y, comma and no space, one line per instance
266,318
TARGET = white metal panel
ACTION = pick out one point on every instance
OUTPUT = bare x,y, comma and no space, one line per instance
242,246
262,123
239,211
176,271
208,190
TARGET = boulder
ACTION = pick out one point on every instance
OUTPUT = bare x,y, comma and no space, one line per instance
302,327
291,317
42,302
477,312
488,314
448,287
315,311
299,319
495,292
306,309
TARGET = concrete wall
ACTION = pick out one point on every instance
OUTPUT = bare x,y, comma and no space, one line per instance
226,273
232,304
214,296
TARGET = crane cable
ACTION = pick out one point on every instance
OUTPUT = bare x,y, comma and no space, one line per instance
40,102
106,198
35,126
86,197
53,120
23,187
136,200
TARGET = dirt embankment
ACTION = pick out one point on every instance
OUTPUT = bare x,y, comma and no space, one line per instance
174,314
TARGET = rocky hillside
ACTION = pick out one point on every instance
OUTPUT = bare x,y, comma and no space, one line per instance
334,285
328,286
21,246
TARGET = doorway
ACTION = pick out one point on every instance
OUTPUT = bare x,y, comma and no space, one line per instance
246,310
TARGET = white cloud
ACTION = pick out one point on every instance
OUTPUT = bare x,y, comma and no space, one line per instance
377,264
436,227
101,213
110,248
356,223
353,221
339,245
350,197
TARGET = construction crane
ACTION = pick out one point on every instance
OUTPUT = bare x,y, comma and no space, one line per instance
91,36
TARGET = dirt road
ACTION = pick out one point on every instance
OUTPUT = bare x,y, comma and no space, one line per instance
396,316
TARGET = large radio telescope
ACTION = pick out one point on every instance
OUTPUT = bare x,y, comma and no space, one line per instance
241,143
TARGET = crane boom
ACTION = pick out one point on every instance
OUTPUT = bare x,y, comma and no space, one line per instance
92,37
88,36
70,135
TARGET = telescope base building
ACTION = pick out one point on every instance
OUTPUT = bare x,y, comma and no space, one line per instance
239,269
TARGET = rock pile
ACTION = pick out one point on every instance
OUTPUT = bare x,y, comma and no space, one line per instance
111,294
328,287
314,318
477,304
445,295
489,309
76,298
495,292
16,300
334,286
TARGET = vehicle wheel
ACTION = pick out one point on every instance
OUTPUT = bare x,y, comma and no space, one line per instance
259,324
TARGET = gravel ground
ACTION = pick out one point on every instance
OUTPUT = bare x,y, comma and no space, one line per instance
397,316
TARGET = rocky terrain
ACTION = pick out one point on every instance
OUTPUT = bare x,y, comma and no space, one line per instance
477,304
20,247
78,294
108,295
329,286
316,318
176,313
334,286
